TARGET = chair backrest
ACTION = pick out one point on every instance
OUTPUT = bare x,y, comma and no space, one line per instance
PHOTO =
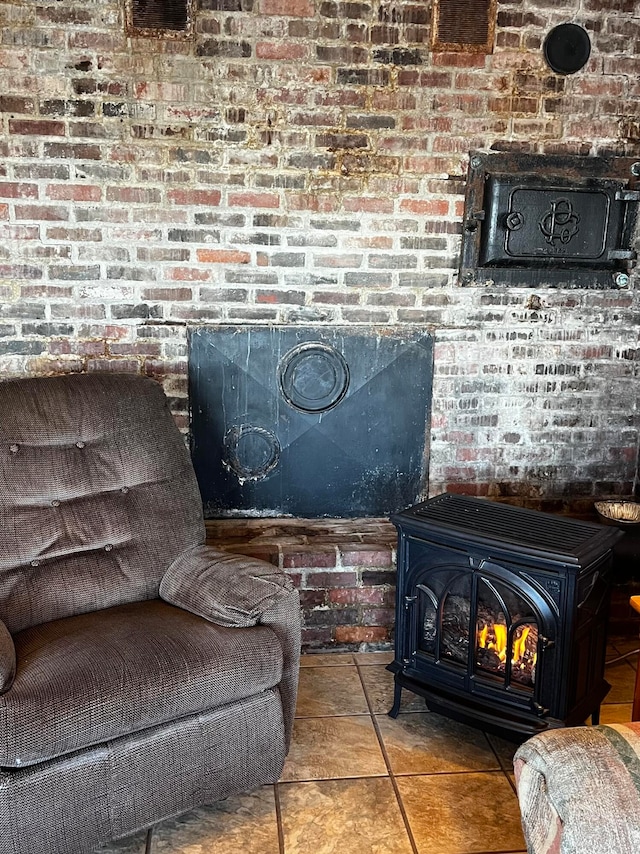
97,494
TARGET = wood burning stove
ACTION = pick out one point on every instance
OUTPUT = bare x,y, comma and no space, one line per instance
501,614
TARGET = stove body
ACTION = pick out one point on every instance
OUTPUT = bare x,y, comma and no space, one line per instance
501,614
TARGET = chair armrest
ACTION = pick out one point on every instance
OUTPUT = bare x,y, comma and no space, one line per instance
238,591
577,789
7,659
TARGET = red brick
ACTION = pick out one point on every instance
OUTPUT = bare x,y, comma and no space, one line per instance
204,198
288,8
357,596
338,261
316,638
330,579
188,274
378,617
312,598
104,331
369,205
426,207
167,294
281,297
47,213
309,556
15,190
361,634
42,127
281,50
133,195
254,200
74,192
223,256
319,203
365,556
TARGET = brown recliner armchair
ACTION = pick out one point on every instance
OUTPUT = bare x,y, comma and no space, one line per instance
142,673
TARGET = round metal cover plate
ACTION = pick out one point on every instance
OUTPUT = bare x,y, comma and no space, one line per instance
251,451
313,377
567,48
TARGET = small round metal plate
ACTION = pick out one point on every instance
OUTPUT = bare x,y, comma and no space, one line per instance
567,48
250,451
313,377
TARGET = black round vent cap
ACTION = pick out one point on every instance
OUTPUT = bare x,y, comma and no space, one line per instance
567,48
313,376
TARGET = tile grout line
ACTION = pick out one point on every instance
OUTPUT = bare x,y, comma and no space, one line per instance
387,762
500,763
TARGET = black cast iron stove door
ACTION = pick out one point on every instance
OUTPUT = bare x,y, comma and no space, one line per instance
309,422
545,220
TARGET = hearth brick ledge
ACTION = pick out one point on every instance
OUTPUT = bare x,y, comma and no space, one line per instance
345,570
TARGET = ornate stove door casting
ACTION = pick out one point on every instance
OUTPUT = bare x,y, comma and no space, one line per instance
485,628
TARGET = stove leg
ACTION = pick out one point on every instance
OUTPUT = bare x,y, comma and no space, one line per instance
595,717
397,696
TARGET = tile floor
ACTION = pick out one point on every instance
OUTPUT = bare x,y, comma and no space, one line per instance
358,782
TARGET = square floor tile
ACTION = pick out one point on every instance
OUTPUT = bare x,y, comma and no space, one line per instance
621,645
622,678
615,713
326,659
330,691
462,813
327,748
243,824
427,743
379,685
342,817
505,750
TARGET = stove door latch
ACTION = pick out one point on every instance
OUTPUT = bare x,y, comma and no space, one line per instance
546,643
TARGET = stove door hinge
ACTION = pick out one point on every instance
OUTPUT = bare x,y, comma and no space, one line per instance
472,221
627,196
541,711
409,600
546,643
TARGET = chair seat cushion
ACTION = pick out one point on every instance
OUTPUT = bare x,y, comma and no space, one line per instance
85,679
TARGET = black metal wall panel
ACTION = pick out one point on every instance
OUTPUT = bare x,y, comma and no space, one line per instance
309,422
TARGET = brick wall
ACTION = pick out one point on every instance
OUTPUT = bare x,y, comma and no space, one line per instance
344,571
304,161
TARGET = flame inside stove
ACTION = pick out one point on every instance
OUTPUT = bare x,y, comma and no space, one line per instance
495,637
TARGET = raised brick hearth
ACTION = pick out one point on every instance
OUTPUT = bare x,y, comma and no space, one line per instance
344,569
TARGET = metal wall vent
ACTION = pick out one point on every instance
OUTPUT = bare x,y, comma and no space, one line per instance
160,18
463,25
